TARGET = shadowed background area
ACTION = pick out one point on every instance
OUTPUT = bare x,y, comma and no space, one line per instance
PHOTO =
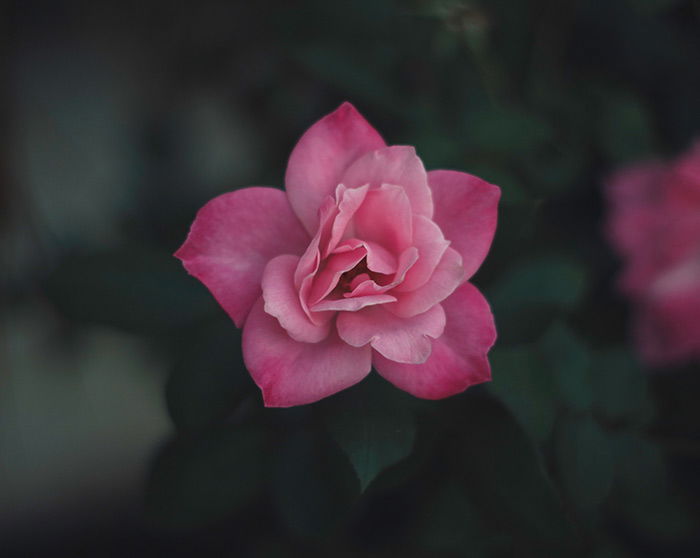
128,424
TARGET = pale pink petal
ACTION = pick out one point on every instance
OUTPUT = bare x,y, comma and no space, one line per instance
466,209
310,261
232,239
311,258
362,284
352,304
379,259
348,201
406,340
385,218
458,359
448,275
431,245
334,267
291,373
398,165
282,302
321,156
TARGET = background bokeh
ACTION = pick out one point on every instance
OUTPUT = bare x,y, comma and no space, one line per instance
128,425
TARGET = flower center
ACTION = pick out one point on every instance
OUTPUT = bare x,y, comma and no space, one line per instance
358,274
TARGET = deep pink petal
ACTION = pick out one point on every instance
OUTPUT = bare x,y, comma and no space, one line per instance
292,373
466,209
398,165
431,245
458,359
282,302
448,275
232,239
634,194
385,218
321,156
404,340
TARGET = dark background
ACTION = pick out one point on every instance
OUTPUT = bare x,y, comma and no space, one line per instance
128,425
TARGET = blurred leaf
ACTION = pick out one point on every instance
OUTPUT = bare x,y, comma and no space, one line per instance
570,363
340,67
586,461
523,382
209,379
505,476
131,288
555,170
373,424
625,131
314,486
621,387
530,294
452,523
652,6
507,130
642,493
199,480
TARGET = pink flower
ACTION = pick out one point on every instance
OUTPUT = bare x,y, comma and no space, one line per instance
654,223
362,262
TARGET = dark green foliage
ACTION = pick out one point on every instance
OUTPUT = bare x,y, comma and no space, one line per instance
573,449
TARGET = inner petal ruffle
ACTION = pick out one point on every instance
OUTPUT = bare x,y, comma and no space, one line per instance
333,268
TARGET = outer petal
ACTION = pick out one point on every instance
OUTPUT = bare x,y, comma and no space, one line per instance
282,301
292,373
466,211
398,165
448,275
321,156
458,359
398,339
667,328
232,239
634,194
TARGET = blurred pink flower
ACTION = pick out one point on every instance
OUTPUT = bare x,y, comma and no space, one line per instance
362,261
654,223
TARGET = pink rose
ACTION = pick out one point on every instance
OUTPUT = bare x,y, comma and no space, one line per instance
654,223
362,262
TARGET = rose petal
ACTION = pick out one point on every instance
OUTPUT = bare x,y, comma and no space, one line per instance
399,339
379,259
466,209
348,202
282,302
634,194
458,358
352,304
292,373
398,165
232,239
321,156
366,286
448,275
334,267
431,245
385,218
